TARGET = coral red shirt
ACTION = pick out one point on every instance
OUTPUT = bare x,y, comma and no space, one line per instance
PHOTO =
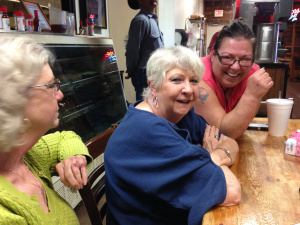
212,81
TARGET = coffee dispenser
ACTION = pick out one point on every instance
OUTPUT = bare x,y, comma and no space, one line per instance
266,41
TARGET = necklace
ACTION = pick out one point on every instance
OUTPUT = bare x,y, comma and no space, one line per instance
38,183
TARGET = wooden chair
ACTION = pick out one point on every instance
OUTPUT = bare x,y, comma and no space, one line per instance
91,195
98,144
94,191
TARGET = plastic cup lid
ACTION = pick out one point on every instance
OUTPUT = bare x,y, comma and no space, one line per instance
280,101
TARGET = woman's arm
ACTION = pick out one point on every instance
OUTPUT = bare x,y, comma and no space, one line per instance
223,150
233,196
235,122
225,154
219,150
68,156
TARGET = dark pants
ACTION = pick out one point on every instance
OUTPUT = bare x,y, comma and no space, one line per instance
139,81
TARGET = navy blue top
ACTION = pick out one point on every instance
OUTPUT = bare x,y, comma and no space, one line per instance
144,37
156,174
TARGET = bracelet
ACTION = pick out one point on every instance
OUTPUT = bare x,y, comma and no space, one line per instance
227,153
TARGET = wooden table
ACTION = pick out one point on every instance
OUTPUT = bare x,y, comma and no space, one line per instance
270,182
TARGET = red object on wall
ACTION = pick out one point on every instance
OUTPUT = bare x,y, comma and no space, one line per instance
237,10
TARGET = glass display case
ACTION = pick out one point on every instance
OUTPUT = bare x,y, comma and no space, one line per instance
92,87
90,81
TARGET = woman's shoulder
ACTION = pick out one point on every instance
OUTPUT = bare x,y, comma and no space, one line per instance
206,60
193,119
139,117
143,106
253,69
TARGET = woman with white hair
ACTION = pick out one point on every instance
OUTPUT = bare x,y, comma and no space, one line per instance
164,164
29,96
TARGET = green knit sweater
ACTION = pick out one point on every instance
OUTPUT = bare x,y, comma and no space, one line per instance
19,208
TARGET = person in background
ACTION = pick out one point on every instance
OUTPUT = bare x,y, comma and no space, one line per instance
233,85
164,164
144,37
29,96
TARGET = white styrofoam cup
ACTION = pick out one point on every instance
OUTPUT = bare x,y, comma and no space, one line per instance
278,111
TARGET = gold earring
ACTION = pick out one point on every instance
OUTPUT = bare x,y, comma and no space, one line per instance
27,125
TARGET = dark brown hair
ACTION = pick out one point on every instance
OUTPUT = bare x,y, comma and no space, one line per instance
238,29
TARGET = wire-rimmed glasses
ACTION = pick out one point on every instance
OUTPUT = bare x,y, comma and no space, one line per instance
55,85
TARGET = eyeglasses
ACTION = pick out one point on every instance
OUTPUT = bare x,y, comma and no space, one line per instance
229,61
55,86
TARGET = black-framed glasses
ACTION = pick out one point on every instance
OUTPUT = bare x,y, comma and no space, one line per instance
229,61
55,86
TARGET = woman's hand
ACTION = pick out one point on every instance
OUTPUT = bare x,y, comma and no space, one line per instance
72,171
259,83
211,138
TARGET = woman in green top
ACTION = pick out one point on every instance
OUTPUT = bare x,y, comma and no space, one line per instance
29,96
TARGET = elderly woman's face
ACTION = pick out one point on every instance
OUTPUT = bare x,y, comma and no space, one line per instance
229,76
42,108
178,94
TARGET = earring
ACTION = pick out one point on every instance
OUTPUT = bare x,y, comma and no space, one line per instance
27,125
155,101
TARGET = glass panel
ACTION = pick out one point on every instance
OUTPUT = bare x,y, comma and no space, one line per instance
92,88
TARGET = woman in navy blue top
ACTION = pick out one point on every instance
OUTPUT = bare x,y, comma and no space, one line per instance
164,164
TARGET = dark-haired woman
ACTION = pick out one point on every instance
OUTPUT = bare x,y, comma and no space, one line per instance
233,85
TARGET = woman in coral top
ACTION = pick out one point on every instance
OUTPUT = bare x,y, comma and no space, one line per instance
233,85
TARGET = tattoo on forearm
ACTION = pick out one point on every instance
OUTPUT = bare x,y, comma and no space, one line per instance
203,95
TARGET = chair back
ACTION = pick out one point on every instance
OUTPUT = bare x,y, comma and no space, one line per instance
92,193
94,190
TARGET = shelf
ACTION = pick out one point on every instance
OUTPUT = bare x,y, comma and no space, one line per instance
200,20
291,37
61,39
82,110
